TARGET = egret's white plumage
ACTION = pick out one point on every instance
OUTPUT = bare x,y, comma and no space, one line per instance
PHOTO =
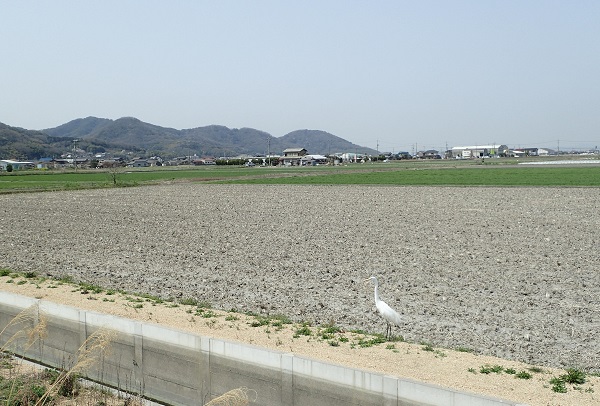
390,315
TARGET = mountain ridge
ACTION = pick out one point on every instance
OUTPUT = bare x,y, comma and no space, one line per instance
94,134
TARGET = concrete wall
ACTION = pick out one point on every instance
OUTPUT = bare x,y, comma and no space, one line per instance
181,368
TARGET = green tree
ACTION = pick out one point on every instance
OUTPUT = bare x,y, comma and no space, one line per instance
9,168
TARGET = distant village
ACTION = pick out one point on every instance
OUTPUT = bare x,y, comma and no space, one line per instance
78,158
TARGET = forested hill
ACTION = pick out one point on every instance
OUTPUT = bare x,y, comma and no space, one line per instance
20,144
95,134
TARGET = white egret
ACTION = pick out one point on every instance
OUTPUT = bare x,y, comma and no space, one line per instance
390,315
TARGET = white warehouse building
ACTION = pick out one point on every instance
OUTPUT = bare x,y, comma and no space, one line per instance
479,151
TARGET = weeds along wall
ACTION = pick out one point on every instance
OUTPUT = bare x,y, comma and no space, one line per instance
180,368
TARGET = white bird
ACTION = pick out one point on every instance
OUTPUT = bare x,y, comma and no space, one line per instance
389,314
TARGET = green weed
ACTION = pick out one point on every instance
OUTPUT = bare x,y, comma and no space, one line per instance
574,377
523,375
260,321
488,369
370,342
66,279
304,330
89,287
427,347
189,301
558,385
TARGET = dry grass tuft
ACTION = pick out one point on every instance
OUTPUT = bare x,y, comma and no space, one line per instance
89,353
31,324
31,327
235,397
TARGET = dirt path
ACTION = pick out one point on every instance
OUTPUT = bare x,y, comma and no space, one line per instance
453,369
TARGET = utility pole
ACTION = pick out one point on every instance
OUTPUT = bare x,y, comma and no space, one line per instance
75,154
269,150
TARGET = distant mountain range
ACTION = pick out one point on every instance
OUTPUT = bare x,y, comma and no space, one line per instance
128,134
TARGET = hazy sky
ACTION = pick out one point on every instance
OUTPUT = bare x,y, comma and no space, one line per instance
388,73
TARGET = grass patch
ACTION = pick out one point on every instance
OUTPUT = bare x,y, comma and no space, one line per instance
371,341
574,376
523,375
86,288
464,176
427,347
205,313
278,320
558,385
260,321
66,279
488,369
149,298
189,301
304,330
417,172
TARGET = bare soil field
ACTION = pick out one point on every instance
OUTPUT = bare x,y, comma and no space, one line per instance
504,272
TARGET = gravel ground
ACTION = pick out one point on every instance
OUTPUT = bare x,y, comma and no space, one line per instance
509,272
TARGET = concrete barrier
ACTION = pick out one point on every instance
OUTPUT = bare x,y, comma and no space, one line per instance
180,368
